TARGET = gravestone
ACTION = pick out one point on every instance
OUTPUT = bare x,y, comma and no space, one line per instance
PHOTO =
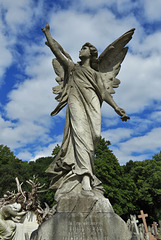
141,231
154,227
135,230
159,227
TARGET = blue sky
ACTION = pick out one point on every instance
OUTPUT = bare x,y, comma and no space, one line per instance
27,76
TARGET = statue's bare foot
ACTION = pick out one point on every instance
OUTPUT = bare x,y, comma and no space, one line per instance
86,185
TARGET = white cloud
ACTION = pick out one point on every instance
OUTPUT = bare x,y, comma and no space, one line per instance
17,20
45,151
143,146
152,10
140,125
21,14
140,82
156,117
117,135
100,28
29,105
25,155
6,56
119,5
110,122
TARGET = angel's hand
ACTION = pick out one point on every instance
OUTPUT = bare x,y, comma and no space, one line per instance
125,117
122,113
47,28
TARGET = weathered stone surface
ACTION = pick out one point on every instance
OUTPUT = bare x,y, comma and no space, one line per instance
26,227
83,218
82,212
83,86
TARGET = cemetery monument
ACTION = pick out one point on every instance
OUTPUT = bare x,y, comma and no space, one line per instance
82,211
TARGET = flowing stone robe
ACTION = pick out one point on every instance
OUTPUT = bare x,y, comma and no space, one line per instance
82,130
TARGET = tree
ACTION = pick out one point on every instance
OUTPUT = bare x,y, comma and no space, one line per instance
11,167
118,187
147,177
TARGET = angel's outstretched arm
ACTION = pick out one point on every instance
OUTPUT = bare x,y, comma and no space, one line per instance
55,46
109,99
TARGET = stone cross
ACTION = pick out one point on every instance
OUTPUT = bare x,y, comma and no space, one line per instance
148,235
154,225
134,221
143,216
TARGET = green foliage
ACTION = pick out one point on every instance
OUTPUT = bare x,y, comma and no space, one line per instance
11,167
55,150
118,188
147,177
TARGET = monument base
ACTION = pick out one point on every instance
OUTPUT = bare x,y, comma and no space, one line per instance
83,218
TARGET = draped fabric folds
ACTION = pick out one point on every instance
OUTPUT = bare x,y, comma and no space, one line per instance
82,131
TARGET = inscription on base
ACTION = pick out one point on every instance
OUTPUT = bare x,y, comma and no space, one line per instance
85,230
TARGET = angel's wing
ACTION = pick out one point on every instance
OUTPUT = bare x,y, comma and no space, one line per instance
60,72
110,61
62,76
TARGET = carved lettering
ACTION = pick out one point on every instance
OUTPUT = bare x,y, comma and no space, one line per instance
81,230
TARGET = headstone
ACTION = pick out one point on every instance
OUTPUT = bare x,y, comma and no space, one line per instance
134,222
129,224
154,227
134,228
141,231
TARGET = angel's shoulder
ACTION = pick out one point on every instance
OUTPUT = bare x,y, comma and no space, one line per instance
71,64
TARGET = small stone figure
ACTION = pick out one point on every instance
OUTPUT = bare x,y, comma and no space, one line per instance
21,213
9,215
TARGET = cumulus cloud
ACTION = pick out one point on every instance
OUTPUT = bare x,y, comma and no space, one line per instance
140,82
117,135
6,55
138,148
47,151
152,11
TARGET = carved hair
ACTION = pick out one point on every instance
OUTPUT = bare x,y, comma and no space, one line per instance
94,55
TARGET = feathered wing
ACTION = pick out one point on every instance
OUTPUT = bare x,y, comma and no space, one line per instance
62,89
59,70
110,61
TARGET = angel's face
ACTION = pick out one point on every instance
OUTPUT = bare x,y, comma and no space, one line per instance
84,52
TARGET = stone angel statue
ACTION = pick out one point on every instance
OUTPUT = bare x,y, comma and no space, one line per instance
83,86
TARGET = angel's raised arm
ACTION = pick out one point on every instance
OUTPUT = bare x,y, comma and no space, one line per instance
55,47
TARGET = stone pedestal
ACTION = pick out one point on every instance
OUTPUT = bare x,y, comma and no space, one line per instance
83,218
